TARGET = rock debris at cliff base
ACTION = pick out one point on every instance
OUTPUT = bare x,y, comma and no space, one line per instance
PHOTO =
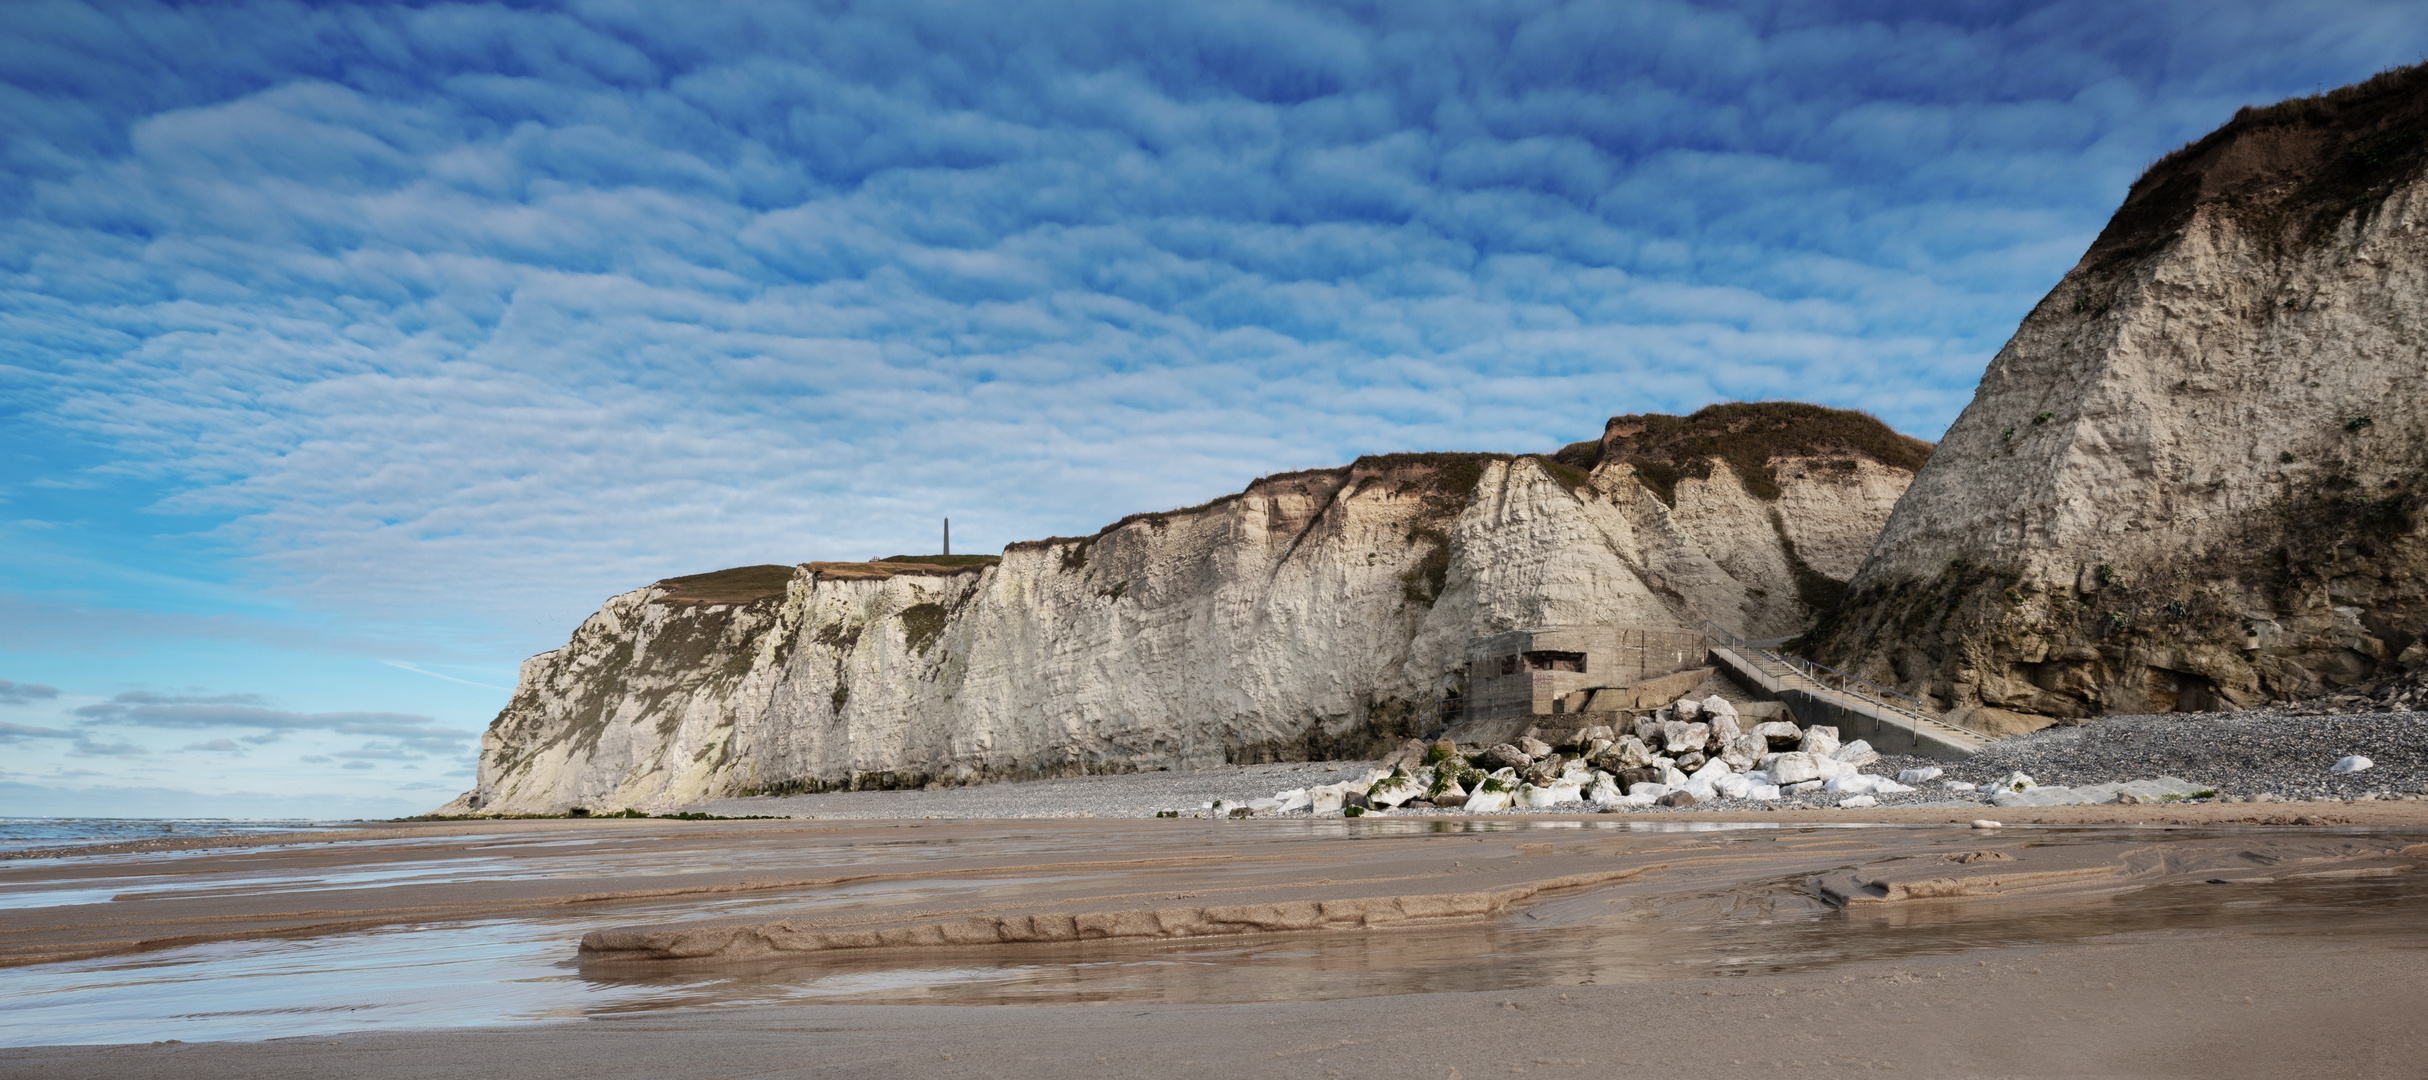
2259,754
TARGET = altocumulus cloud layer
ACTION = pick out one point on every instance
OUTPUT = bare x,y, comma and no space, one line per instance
434,316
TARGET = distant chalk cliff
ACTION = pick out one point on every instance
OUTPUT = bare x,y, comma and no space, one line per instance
1314,613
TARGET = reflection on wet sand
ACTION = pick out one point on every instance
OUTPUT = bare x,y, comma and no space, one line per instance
1710,901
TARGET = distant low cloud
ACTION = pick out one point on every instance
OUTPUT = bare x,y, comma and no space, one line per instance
80,743
156,710
16,693
10,732
216,746
87,746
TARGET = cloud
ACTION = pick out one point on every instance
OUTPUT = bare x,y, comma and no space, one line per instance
12,732
22,799
358,765
142,708
80,743
217,746
409,333
87,746
13,693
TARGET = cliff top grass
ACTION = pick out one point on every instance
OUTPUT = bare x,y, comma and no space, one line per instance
739,585
944,560
1458,469
1750,436
2288,172
897,565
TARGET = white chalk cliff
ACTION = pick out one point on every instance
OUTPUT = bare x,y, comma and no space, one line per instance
2192,478
1314,613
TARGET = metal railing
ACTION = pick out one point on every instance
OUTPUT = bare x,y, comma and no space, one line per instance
1822,675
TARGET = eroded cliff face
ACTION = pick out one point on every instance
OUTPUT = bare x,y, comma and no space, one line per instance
2192,479
1312,614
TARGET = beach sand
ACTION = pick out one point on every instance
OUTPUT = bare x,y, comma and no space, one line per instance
2214,940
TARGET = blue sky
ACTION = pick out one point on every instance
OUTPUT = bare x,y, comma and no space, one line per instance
350,354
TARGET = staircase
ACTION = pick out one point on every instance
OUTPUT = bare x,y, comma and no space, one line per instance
1893,722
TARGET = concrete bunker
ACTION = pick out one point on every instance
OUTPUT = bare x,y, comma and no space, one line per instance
1576,670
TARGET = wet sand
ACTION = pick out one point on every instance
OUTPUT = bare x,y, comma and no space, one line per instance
2161,1006
1194,948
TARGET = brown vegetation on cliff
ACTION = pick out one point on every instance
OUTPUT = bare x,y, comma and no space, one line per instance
1749,435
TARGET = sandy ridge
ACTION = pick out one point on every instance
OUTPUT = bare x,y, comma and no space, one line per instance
733,941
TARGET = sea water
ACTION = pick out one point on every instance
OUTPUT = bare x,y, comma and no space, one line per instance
21,833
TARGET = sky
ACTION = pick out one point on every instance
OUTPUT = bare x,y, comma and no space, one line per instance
352,353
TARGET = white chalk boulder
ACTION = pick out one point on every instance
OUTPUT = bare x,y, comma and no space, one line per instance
1796,767
1779,734
2351,763
2011,782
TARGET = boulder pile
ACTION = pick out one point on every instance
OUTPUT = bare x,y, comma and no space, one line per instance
1685,754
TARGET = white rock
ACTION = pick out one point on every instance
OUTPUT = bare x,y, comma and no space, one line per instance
2351,763
1733,786
1713,770
1605,790
1293,799
1264,806
1485,800
1922,775
1851,783
2011,782
1857,801
1633,754
1819,740
2038,796
1805,788
1684,738
1858,752
1327,798
1985,823
1686,709
1763,792
1887,786
1743,751
1671,777
1795,767
1533,797
1702,790
1716,706
1390,791
1648,791
1780,734
1956,785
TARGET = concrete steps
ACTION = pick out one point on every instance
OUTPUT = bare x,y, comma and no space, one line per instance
1891,727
